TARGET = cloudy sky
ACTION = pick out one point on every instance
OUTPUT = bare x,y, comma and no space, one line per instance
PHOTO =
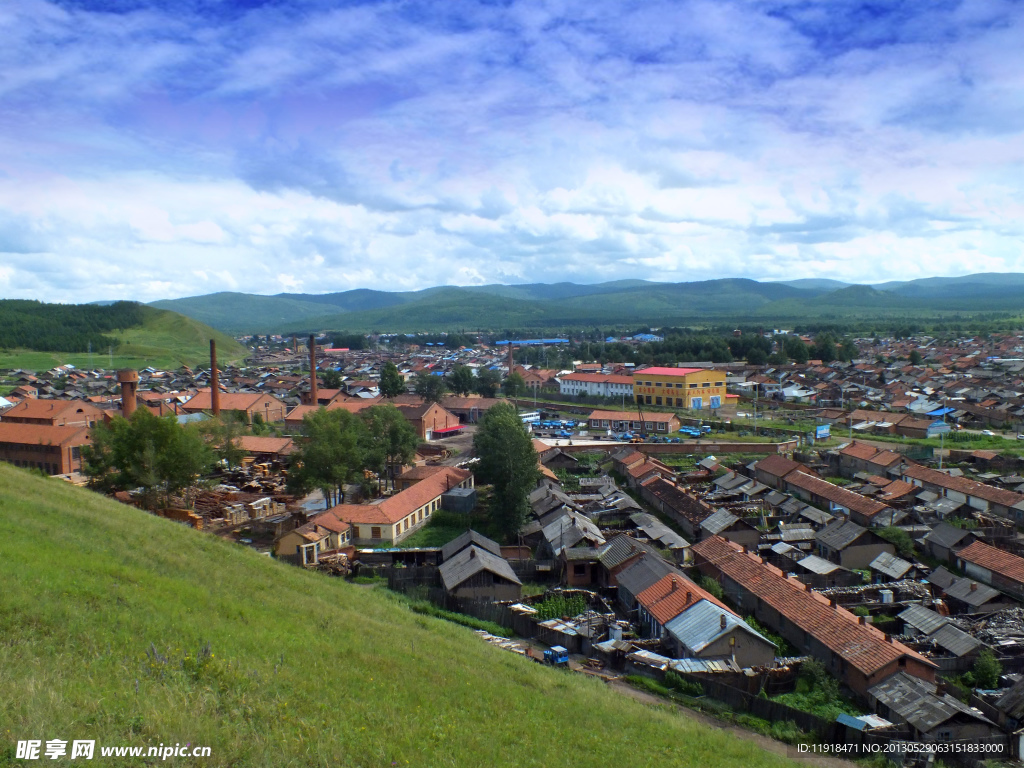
155,150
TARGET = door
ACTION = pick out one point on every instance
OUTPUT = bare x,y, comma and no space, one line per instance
716,401
696,403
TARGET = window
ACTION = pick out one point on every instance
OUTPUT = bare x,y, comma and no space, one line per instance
719,383
679,402
648,399
657,384
579,569
657,401
375,532
693,386
706,384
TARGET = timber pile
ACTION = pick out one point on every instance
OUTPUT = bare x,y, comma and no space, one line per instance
333,565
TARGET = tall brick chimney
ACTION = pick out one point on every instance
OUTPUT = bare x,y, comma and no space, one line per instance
312,370
129,381
214,380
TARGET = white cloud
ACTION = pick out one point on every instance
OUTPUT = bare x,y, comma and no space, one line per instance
147,155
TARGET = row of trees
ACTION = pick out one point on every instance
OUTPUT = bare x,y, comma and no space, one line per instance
164,458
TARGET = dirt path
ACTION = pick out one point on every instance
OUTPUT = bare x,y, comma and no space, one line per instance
766,743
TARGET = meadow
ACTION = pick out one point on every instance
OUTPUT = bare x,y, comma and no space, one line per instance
128,629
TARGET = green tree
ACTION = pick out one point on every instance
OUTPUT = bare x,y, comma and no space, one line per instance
899,538
825,349
154,453
847,351
514,386
462,381
332,379
796,350
487,383
391,441
915,357
987,670
222,436
430,387
391,382
508,462
330,454
757,356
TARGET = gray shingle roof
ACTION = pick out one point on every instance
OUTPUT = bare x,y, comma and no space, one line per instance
643,573
925,620
463,540
469,562
954,640
890,565
916,702
962,590
945,535
839,534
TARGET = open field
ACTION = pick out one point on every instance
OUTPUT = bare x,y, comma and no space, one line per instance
165,340
106,610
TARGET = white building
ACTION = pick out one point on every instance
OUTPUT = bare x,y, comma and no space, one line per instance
600,384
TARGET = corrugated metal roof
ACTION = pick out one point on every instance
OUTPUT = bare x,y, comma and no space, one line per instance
718,522
916,702
954,640
819,565
700,625
925,620
890,565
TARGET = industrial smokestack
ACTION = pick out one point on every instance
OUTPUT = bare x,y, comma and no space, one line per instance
312,370
129,381
214,380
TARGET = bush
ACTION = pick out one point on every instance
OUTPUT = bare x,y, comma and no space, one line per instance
986,670
557,606
683,686
711,586
429,609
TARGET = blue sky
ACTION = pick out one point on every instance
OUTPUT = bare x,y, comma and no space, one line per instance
155,150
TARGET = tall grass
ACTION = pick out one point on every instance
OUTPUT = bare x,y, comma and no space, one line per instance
133,630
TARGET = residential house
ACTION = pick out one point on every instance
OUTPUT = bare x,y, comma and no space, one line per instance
304,545
709,630
850,545
596,384
476,573
393,518
931,716
833,499
857,653
625,421
999,569
987,498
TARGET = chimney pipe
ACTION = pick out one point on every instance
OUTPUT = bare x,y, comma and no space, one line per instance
214,380
689,597
974,586
722,619
312,370
129,381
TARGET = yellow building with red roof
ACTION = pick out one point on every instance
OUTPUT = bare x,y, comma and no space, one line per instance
693,388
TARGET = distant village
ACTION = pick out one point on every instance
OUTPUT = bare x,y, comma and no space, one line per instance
665,540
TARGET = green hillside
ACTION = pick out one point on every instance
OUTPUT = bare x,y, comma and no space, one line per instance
105,611
163,340
243,312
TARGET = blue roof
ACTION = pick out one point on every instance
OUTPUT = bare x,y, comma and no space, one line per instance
851,722
701,624
531,342
940,412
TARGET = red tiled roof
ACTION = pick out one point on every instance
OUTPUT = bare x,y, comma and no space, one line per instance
630,416
963,485
673,594
42,434
401,505
844,498
860,645
995,560
778,465
655,371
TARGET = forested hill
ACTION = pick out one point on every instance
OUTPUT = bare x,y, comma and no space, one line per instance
65,327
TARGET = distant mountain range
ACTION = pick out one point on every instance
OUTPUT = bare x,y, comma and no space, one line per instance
568,305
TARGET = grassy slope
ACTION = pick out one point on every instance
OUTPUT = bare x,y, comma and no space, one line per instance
307,670
242,312
165,340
